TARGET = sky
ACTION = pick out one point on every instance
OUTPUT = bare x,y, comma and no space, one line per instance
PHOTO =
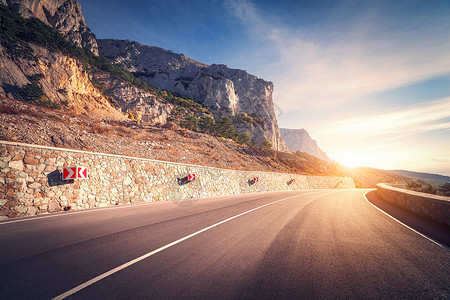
369,80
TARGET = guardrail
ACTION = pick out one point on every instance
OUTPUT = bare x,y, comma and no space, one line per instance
432,207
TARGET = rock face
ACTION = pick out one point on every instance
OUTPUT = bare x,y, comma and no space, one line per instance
300,140
64,15
227,91
63,80
128,98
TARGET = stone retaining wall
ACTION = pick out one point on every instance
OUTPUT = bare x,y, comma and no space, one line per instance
436,208
31,183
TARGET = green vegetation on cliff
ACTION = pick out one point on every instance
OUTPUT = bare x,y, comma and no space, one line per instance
17,33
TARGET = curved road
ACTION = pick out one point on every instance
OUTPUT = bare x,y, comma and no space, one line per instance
291,245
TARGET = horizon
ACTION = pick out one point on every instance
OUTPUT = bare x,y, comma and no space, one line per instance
370,82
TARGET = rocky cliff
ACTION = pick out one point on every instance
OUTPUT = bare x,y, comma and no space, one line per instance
233,93
128,98
43,74
62,79
300,140
65,82
63,15
226,91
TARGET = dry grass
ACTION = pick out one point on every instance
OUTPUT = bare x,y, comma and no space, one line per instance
124,131
8,110
100,129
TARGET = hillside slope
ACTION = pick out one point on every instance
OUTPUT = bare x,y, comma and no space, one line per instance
24,122
440,179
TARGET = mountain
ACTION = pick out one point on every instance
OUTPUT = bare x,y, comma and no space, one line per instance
57,94
233,93
40,66
230,95
239,102
300,140
440,179
63,15
51,79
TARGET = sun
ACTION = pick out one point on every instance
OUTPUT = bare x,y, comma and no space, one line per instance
350,161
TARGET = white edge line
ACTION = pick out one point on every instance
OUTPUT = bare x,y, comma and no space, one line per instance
82,211
121,267
419,233
127,205
130,205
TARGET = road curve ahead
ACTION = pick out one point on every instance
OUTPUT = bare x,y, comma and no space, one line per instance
290,245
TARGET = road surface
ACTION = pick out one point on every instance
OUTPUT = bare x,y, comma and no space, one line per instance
289,245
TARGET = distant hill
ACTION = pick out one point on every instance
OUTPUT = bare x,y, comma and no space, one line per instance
300,140
428,176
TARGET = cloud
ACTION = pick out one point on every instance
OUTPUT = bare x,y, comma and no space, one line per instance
333,66
329,66
439,160
406,121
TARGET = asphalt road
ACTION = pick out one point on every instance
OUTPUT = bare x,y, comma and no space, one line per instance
291,245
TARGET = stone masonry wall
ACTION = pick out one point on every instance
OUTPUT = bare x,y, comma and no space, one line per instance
436,208
31,180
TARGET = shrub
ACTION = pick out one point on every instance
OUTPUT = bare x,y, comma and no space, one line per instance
245,138
266,144
259,120
225,128
444,189
8,110
430,189
100,129
36,77
206,124
414,186
190,122
177,115
245,118
32,91
45,102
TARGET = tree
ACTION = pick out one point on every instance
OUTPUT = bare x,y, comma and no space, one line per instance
430,189
190,122
225,128
245,138
444,189
266,144
206,124
32,91
414,186
177,115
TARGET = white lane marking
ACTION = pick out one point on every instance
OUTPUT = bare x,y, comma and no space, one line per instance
419,233
36,218
121,267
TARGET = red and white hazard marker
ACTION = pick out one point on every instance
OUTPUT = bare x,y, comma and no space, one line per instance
191,177
77,172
